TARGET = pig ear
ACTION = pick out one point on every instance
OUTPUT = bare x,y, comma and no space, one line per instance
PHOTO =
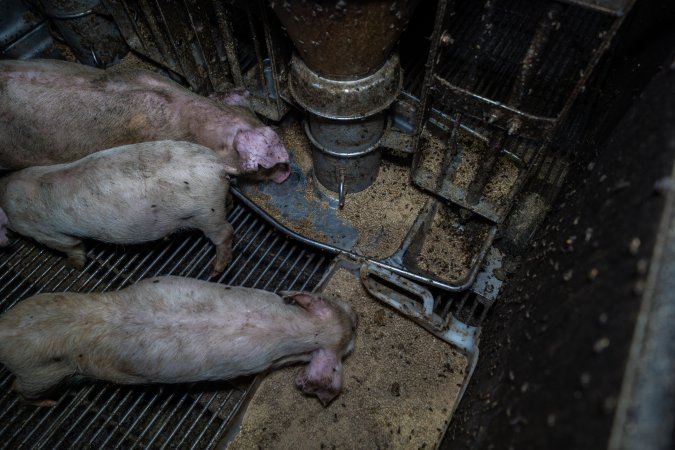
322,376
304,299
236,97
312,303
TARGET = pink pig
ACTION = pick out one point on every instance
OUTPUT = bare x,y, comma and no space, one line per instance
55,112
175,330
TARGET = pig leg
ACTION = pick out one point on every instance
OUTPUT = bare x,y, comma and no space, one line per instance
222,239
41,380
72,247
30,401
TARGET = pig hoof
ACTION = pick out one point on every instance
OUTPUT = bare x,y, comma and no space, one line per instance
31,401
76,262
220,263
215,271
41,403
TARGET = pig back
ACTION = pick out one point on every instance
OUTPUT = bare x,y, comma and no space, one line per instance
166,329
58,112
113,194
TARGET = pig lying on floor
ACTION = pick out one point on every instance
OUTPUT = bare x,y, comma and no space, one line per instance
173,330
124,195
55,112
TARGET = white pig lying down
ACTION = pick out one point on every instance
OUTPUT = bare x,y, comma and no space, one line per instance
175,330
56,112
124,195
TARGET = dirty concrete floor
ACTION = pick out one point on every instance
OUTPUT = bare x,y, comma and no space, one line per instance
400,386
379,217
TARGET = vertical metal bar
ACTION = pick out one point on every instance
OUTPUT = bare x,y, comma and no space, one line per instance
317,266
449,156
261,258
486,167
65,413
588,70
237,244
241,252
280,285
157,35
16,275
198,38
283,263
271,54
425,101
230,43
295,280
134,24
258,55
531,58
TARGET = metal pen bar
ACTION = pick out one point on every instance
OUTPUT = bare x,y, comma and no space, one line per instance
112,414
205,407
152,420
140,415
214,414
283,263
10,282
133,406
219,432
255,250
65,413
269,265
34,413
180,423
75,423
89,426
289,271
229,43
14,254
262,257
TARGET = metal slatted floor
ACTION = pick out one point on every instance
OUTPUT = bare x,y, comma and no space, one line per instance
102,415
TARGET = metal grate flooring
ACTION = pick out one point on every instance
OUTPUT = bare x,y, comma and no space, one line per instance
101,415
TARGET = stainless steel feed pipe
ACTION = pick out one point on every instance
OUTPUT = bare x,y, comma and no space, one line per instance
345,75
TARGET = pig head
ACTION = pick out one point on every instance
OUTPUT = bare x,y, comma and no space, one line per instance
261,153
322,377
4,221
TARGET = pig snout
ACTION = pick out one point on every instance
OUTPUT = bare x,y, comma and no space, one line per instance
4,221
260,148
322,377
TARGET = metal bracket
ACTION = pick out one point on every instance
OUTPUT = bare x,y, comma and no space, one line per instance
381,283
